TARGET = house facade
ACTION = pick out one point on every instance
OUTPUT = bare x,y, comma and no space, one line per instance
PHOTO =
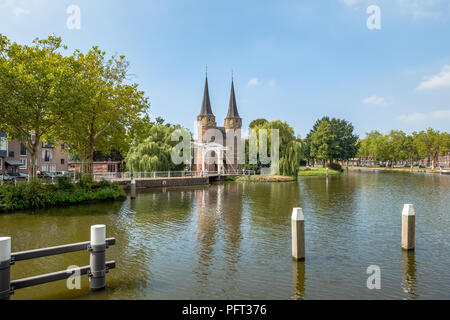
14,157
99,167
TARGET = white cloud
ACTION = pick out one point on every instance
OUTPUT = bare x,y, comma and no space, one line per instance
425,118
378,101
16,7
253,82
437,81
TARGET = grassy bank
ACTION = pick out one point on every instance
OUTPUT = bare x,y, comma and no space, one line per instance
310,172
36,195
265,178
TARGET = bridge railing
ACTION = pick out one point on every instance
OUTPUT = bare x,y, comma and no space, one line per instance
167,174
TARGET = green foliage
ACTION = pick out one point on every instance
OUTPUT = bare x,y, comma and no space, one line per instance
312,172
331,139
155,152
397,145
334,166
83,100
291,148
65,183
35,194
37,84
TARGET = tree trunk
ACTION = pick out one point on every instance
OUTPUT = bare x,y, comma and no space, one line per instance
32,171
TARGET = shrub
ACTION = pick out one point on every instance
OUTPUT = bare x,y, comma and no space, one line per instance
86,182
65,183
335,167
35,194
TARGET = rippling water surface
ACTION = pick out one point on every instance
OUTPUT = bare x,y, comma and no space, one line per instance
232,241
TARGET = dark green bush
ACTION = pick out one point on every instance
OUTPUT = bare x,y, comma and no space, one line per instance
65,183
35,194
335,166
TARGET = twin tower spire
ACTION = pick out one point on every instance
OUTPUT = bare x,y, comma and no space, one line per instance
206,104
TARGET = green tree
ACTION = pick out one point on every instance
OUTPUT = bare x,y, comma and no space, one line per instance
154,152
258,123
110,111
323,142
331,139
36,91
431,143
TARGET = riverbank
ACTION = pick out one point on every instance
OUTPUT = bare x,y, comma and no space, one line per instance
37,195
392,169
311,172
265,178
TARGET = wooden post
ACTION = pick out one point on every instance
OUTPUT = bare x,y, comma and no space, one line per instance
408,227
298,234
133,188
97,251
327,172
5,269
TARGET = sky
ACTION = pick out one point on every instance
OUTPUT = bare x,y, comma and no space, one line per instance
294,61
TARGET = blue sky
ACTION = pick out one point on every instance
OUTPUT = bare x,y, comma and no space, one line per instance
293,60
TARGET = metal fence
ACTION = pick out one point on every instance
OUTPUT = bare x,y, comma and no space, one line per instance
96,270
167,174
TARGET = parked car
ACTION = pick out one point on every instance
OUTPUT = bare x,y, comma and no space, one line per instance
382,165
407,165
23,175
46,175
9,176
421,166
62,173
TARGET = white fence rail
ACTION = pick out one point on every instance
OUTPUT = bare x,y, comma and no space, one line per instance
167,174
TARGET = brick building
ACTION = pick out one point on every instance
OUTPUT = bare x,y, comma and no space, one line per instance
228,136
99,167
14,157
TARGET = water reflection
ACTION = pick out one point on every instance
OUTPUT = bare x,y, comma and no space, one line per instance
409,274
233,241
298,280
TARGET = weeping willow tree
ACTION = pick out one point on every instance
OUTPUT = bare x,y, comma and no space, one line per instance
154,152
290,147
290,160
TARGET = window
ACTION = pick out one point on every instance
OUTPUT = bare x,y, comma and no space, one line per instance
53,168
111,168
47,155
23,150
62,161
1,163
24,163
11,154
3,143
44,168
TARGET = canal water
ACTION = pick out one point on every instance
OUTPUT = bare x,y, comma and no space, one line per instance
232,241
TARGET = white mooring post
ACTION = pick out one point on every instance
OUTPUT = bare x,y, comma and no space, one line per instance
97,251
133,188
408,227
298,234
5,271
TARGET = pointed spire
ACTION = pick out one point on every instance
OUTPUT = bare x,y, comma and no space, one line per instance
206,104
232,109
